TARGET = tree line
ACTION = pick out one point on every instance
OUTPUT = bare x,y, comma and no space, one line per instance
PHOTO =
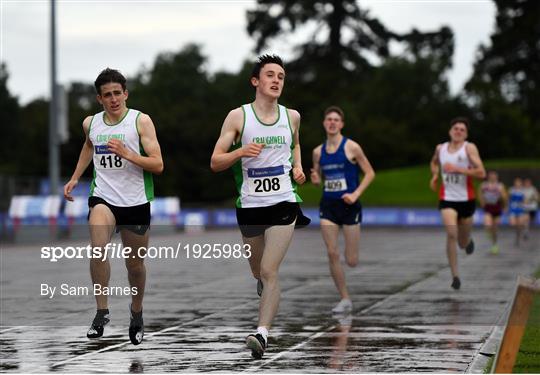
397,104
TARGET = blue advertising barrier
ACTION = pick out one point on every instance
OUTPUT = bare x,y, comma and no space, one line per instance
52,210
383,216
371,216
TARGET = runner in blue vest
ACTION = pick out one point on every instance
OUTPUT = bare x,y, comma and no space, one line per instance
336,162
518,216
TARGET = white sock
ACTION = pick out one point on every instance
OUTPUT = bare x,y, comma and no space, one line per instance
263,332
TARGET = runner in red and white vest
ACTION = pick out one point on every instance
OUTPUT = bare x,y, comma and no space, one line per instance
493,199
455,187
459,162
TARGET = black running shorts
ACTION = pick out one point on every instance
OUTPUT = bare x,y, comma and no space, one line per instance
339,212
464,209
494,210
253,221
135,218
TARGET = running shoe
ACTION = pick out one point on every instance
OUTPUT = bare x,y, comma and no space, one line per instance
257,344
345,305
469,249
456,283
100,320
259,287
136,327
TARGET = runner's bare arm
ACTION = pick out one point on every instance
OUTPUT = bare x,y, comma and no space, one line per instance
504,197
297,170
434,166
478,169
316,169
85,157
222,158
152,161
367,169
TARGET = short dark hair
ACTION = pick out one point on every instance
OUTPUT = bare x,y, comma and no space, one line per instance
109,75
462,119
335,109
262,61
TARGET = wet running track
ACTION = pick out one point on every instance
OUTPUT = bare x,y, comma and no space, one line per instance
197,312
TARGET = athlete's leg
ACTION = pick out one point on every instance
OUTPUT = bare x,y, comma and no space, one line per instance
101,223
330,233
512,220
464,231
257,249
137,279
495,229
526,220
135,264
489,225
352,241
449,219
277,239
496,224
515,221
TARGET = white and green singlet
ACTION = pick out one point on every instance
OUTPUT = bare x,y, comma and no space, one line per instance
116,180
266,180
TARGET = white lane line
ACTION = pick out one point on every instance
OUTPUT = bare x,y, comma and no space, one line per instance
331,328
12,328
188,288
151,334
322,280
169,329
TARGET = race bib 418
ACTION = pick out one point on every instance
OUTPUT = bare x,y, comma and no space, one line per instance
106,160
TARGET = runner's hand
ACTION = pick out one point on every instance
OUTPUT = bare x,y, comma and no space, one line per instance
451,168
298,175
117,147
314,176
433,182
68,188
252,150
349,198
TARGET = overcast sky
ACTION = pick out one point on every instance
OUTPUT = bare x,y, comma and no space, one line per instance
129,34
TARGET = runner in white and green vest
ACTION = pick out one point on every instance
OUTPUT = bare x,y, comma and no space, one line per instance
123,145
260,141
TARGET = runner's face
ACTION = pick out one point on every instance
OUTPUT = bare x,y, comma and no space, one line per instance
332,123
492,177
458,132
113,98
271,80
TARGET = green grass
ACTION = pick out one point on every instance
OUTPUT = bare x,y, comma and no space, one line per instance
406,187
528,359
489,365
512,163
